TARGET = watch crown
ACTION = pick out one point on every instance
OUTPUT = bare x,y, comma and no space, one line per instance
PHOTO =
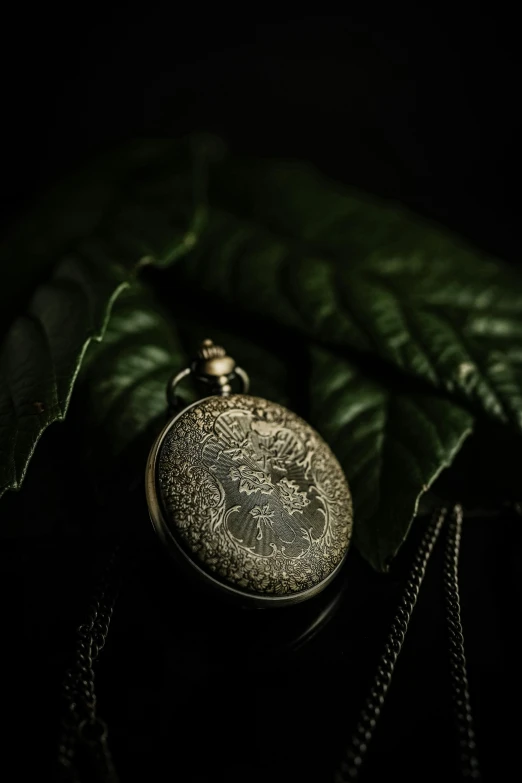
207,350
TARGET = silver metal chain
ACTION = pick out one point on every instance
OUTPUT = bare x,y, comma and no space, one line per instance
469,765
84,756
83,753
370,713
357,749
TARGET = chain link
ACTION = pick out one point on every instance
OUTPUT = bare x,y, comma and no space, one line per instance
360,741
83,740
459,681
355,753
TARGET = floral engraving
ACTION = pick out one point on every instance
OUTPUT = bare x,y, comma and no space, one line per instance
251,480
291,498
262,515
255,495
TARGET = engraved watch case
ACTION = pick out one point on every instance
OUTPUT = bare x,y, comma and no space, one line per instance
248,493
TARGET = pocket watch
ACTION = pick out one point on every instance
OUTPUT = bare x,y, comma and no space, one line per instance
246,493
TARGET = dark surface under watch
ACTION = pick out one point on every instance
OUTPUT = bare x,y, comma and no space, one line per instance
194,687
416,106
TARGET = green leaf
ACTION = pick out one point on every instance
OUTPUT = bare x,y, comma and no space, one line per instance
123,383
407,332
42,353
138,199
391,441
122,386
155,219
288,245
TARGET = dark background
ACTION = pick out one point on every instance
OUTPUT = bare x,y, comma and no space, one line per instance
418,106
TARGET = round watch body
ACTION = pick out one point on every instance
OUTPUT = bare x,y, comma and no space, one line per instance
252,497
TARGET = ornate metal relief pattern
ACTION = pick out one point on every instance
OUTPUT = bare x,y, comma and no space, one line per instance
255,495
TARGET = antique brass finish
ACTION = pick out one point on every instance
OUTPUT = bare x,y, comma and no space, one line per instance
213,369
248,493
213,361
